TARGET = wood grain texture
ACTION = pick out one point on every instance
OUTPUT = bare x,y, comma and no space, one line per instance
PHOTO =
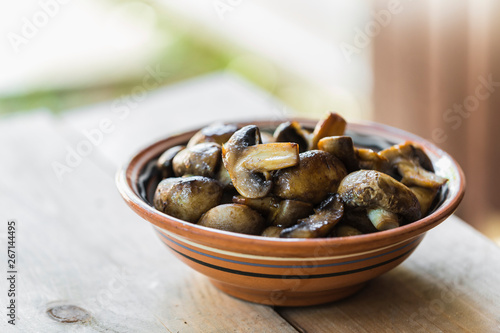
79,244
450,284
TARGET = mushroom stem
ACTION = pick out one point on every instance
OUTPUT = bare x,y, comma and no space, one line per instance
270,156
383,219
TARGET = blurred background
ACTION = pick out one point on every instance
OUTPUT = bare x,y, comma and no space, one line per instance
431,67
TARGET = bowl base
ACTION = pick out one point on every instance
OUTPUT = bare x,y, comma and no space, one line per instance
287,297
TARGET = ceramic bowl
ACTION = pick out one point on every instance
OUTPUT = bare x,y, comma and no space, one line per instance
289,272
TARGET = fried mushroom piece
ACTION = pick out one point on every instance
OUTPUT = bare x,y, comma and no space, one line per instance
321,223
371,160
249,162
332,125
289,212
317,174
291,131
202,159
384,198
272,231
425,197
280,213
341,147
235,218
265,206
187,198
413,165
164,162
218,133
358,219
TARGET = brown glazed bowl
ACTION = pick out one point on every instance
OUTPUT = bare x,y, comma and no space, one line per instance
289,272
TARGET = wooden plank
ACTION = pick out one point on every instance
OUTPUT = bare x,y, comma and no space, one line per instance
450,284
79,244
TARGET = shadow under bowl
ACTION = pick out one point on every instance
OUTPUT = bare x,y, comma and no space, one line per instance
290,272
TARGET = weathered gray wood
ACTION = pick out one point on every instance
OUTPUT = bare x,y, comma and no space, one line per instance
450,284
79,244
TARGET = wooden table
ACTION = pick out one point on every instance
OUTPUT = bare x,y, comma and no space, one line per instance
78,243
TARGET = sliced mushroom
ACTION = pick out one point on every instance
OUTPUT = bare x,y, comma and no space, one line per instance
341,147
202,159
187,198
270,156
317,174
235,218
291,131
425,197
249,162
371,160
164,162
409,161
321,223
332,125
289,212
218,133
379,192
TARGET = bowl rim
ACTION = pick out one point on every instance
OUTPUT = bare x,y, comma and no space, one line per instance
250,244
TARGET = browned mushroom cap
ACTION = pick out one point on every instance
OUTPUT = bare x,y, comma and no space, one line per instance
321,223
317,174
218,133
235,218
164,162
332,125
289,212
249,162
341,147
291,131
409,160
187,198
202,159
373,190
371,160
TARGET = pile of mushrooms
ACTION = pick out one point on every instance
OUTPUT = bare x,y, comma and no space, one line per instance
294,183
